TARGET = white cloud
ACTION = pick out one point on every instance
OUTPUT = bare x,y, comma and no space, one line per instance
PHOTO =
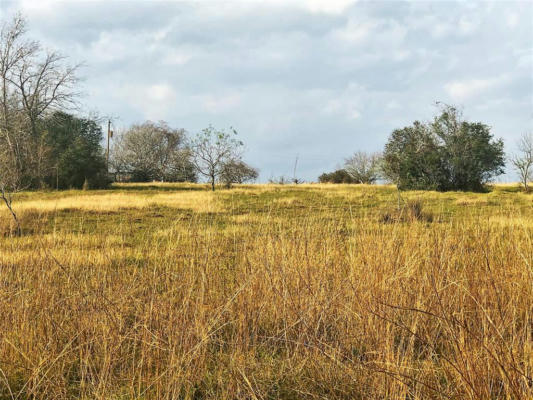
325,6
221,103
160,93
512,20
345,103
152,101
354,114
463,90
468,24
328,6
346,109
355,32
110,47
176,57
393,105
318,6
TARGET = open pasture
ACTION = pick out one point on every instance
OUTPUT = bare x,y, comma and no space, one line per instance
171,291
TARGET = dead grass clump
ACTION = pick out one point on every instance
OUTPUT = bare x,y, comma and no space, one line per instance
476,201
410,212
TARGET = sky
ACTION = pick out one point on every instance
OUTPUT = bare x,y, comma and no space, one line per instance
314,80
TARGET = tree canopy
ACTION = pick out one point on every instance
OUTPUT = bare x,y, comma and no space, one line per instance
363,167
152,152
237,171
75,154
337,176
448,153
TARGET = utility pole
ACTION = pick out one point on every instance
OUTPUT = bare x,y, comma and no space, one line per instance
109,135
294,179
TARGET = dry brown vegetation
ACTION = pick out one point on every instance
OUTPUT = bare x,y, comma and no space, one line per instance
267,292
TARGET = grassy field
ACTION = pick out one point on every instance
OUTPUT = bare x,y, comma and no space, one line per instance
267,292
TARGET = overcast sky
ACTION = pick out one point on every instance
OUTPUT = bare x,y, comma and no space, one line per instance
317,79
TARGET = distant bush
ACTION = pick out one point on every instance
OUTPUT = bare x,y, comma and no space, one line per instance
338,176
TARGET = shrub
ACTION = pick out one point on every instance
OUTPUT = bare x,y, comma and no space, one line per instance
338,176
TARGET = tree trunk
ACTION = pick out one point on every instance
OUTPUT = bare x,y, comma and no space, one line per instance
8,202
213,183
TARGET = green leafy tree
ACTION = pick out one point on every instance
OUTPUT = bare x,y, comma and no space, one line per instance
412,158
446,154
470,155
75,153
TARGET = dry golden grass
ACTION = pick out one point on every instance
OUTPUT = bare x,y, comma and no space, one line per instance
204,201
267,292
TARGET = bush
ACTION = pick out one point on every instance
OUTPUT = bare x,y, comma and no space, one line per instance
338,176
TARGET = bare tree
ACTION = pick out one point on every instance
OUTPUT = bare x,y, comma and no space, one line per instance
14,49
363,167
32,83
212,149
44,85
523,161
13,137
152,151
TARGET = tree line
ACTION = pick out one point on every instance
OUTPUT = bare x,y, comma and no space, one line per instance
447,153
44,144
156,152
41,143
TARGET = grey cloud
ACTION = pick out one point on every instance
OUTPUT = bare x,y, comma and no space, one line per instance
294,81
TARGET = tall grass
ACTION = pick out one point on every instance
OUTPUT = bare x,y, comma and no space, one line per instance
267,292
